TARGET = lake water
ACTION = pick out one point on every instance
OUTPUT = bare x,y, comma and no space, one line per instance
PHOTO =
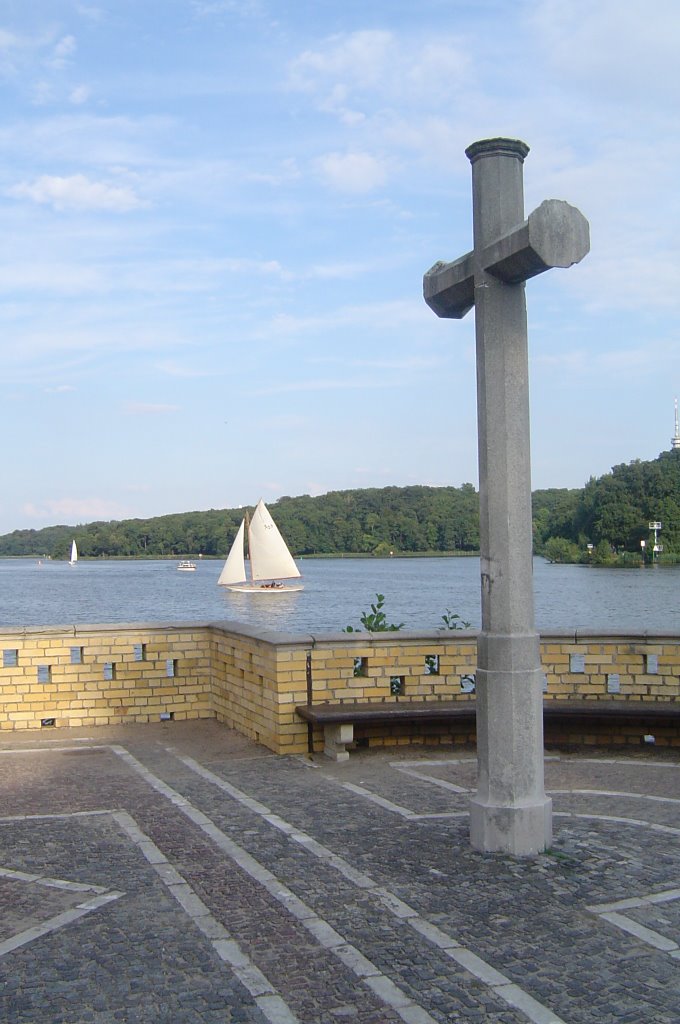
418,591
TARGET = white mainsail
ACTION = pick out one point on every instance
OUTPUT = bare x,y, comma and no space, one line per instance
270,558
74,553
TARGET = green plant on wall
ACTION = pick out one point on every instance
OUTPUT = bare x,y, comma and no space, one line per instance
453,621
375,621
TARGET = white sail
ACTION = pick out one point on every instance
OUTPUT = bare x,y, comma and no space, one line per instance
74,553
270,558
234,570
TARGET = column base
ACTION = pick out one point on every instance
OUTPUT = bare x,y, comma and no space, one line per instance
523,830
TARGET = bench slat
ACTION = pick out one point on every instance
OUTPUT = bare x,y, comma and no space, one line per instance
432,711
324,714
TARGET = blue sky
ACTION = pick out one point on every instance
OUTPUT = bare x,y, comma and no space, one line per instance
215,217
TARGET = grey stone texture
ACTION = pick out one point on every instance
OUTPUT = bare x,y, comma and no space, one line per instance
313,892
510,812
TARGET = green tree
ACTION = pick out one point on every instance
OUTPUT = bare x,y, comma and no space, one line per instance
558,549
603,554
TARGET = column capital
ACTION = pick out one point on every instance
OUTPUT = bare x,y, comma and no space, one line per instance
497,147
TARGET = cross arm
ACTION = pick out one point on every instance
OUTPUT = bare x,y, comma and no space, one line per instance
554,235
449,288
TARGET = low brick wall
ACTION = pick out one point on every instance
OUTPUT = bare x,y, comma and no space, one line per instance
258,678
253,680
640,669
104,675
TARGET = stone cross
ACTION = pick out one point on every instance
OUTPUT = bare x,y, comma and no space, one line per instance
510,812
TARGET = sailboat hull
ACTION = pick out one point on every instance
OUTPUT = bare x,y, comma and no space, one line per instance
264,588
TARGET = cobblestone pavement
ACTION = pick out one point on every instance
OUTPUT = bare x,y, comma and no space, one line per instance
176,874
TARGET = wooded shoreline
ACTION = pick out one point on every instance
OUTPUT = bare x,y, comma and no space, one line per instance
608,516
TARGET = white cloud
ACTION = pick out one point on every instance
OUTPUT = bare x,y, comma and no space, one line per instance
50,277
7,39
349,72
616,48
288,171
79,138
622,279
74,510
352,172
359,56
32,54
76,192
88,11
62,52
38,353
19,52
41,93
437,68
9,45
613,364
314,488
437,139
372,316
62,272
206,8
79,95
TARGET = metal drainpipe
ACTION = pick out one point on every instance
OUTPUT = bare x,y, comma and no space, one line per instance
310,695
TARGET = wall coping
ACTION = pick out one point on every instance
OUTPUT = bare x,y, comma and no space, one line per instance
277,638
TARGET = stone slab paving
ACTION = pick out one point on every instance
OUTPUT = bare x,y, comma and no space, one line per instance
178,873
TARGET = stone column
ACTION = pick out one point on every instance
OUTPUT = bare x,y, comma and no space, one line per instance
510,812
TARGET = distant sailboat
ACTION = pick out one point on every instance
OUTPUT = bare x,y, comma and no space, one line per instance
74,554
270,559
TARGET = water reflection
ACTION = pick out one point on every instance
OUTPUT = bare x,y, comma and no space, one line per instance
277,611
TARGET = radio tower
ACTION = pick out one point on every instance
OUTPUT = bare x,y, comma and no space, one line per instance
675,440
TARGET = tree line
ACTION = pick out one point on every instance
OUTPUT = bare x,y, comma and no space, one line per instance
373,521
610,515
608,520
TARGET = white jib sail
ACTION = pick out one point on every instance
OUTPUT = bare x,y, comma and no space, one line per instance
74,552
270,558
234,570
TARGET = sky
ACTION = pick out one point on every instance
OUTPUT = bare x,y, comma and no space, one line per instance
215,216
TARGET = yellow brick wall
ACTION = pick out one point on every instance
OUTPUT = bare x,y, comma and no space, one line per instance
255,687
253,681
81,695
406,656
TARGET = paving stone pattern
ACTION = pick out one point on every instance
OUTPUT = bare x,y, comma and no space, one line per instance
178,874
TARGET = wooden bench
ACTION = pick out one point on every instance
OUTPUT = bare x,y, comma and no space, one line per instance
338,719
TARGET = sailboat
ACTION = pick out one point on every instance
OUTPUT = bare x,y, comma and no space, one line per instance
270,559
74,554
